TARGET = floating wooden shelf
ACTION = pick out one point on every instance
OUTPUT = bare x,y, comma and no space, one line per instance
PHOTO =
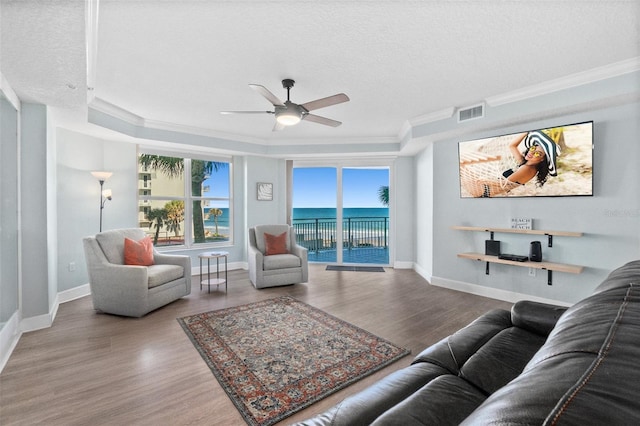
519,231
549,234
548,266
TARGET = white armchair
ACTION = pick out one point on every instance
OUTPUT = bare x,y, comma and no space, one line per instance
127,290
276,269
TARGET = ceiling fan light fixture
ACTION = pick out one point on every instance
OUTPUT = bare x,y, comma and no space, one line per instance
288,118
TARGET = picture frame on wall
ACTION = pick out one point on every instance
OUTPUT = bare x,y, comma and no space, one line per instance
265,191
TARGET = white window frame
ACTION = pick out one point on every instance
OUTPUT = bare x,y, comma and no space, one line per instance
188,198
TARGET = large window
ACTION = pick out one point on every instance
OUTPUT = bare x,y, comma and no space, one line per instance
185,201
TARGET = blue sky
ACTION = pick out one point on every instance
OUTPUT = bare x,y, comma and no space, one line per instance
218,184
316,187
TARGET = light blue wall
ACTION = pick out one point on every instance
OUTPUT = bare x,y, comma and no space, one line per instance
78,197
269,170
8,210
403,205
36,281
610,219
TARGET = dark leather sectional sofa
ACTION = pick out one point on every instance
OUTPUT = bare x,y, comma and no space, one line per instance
536,365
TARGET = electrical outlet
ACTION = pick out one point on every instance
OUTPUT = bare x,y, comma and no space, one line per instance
72,266
532,272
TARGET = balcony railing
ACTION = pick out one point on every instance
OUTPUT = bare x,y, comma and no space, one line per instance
358,232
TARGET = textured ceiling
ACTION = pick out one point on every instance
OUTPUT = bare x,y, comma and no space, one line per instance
181,62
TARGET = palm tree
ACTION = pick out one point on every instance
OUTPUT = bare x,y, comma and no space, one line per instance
200,170
383,195
156,219
175,215
215,213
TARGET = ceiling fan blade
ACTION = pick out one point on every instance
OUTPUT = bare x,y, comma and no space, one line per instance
325,102
267,94
321,120
277,127
247,112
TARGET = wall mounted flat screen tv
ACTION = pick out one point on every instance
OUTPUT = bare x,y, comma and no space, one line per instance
551,162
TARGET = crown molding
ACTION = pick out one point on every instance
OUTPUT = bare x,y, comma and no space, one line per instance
9,94
115,111
405,131
180,128
433,116
573,80
337,141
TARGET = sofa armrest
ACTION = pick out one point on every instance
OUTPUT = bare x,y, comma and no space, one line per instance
126,280
299,251
539,318
256,262
173,259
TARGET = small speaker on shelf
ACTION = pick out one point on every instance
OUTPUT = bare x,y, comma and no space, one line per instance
492,247
535,251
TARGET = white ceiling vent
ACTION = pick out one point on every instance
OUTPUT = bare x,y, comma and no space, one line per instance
471,113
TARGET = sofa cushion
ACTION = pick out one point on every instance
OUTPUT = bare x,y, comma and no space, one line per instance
446,400
112,242
275,244
281,261
453,352
501,359
162,274
138,253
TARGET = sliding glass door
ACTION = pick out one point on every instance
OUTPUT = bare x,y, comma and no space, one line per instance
341,214
314,211
365,215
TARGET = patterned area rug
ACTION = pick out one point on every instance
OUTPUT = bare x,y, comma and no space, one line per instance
278,356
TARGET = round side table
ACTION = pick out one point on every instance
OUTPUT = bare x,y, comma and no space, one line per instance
217,280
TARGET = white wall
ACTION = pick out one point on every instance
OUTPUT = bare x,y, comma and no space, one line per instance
424,207
610,219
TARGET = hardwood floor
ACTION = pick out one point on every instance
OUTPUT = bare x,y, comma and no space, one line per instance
99,369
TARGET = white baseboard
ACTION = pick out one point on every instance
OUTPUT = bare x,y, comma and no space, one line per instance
45,320
74,293
39,321
422,272
402,265
493,293
9,336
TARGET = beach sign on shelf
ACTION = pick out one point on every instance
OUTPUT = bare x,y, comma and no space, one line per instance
521,223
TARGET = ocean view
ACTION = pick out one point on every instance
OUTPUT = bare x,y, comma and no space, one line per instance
330,213
308,213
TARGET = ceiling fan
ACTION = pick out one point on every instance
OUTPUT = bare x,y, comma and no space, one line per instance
288,113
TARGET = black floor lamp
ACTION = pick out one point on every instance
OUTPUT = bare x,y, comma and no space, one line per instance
105,194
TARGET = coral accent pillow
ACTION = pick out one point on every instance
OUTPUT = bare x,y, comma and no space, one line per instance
275,244
138,253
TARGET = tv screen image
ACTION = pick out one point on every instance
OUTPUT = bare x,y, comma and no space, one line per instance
551,162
